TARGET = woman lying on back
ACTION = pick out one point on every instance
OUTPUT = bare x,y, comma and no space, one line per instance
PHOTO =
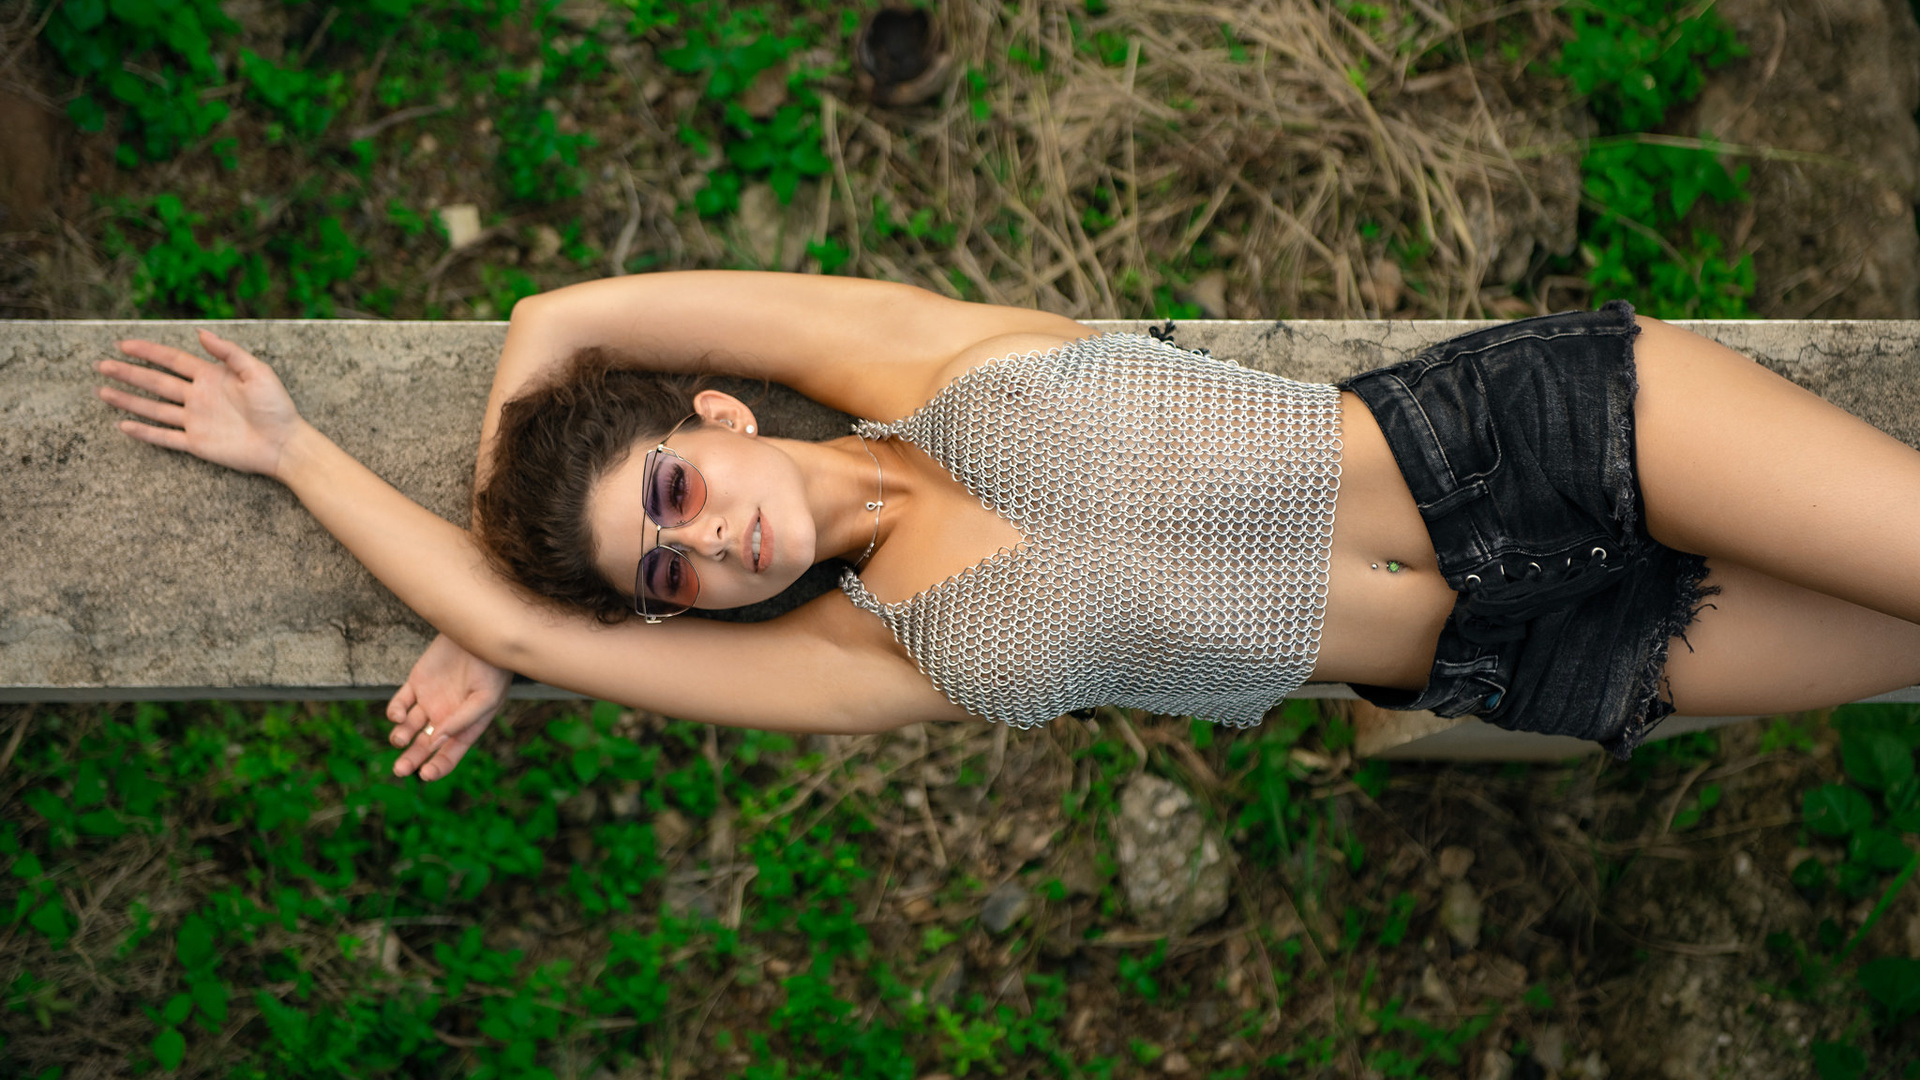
1042,519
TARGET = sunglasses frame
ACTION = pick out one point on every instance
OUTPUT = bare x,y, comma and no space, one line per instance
639,568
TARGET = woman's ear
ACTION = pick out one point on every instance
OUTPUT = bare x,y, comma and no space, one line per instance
725,410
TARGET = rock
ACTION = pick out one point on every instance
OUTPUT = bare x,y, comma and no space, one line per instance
1591,1067
1455,861
670,829
684,899
1175,1063
1005,906
1174,869
1495,1064
1460,912
773,235
546,244
766,93
462,222
581,808
951,981
624,804
1209,290
1550,1047
1434,989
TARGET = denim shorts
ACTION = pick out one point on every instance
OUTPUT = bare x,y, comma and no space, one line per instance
1517,443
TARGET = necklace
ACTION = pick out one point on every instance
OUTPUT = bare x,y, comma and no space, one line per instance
874,505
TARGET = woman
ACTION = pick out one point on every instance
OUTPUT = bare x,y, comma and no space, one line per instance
1527,516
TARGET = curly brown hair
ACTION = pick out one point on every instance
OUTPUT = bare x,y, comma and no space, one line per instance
553,445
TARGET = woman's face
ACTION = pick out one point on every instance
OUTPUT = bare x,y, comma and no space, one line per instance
753,489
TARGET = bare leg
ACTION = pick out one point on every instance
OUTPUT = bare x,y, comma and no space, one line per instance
1767,646
1738,463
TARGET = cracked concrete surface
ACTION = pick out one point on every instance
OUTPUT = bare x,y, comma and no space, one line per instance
127,572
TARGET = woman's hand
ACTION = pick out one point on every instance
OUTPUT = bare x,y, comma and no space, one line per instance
448,700
233,412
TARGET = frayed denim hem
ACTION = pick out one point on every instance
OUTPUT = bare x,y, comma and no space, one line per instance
1649,707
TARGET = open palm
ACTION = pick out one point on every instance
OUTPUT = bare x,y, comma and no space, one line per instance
232,411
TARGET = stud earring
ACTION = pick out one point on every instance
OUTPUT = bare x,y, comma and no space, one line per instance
749,429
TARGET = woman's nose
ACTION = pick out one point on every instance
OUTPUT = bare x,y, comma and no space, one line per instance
705,535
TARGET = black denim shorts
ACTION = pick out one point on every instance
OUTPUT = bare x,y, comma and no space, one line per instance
1517,443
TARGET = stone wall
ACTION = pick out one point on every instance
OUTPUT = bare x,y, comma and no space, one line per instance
127,572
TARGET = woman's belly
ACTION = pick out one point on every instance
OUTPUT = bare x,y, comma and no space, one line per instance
1386,600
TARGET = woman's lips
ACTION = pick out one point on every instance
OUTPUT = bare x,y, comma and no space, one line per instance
766,545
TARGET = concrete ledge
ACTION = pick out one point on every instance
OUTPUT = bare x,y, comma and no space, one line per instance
130,573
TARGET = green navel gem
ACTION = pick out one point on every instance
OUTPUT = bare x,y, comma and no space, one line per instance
1393,567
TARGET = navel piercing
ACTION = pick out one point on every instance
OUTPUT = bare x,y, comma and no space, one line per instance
1393,566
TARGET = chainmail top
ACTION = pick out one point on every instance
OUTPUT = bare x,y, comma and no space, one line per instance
1178,515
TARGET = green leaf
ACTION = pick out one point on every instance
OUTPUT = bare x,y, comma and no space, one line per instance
1876,760
84,15
1879,849
1838,1061
194,943
1893,982
170,1047
1810,874
1836,810
178,1008
211,995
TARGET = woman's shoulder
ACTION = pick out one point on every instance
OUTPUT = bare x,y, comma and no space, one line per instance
992,349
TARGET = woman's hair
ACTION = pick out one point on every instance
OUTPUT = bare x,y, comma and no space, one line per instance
553,445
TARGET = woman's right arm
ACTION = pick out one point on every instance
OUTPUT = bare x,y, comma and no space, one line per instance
813,670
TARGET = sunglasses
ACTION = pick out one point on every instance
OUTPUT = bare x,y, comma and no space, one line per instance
664,584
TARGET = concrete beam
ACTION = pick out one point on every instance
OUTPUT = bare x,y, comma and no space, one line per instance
128,573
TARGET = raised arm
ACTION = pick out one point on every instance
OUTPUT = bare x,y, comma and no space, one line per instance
791,674
870,348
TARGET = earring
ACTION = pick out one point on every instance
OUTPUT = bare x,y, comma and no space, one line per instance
749,429
729,423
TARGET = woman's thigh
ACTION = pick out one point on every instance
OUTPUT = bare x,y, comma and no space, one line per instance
1767,646
1738,463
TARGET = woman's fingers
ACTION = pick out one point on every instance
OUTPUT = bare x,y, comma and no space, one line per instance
158,383
235,357
160,412
167,438
179,361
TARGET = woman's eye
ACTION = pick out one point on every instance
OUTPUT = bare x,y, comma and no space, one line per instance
677,488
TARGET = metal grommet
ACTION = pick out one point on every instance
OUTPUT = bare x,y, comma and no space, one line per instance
1599,552
1473,579
1535,566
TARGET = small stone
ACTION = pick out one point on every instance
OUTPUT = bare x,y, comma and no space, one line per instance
1460,911
1209,291
1455,861
778,968
946,989
1030,839
546,244
1550,1047
768,91
1495,1064
686,900
1173,866
427,144
671,829
1742,864
914,798
1434,989
1175,1063
624,804
1005,906
581,808
462,222
1591,1067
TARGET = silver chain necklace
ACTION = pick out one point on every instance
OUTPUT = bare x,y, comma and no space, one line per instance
873,504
